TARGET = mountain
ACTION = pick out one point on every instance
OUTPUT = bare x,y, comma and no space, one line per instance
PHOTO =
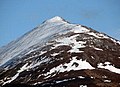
60,54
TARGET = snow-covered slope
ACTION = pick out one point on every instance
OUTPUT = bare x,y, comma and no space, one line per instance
37,37
58,53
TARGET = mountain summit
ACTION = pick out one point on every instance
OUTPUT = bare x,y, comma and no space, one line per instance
55,19
61,54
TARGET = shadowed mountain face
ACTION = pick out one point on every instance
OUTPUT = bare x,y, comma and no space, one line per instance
60,54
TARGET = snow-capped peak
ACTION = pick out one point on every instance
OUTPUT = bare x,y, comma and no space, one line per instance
51,52
55,19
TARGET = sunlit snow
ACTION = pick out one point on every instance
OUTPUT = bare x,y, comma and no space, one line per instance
70,41
70,66
65,80
97,35
55,19
98,49
27,67
81,77
107,80
79,29
35,38
18,72
83,85
109,67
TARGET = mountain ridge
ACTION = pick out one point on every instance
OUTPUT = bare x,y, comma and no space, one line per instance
58,53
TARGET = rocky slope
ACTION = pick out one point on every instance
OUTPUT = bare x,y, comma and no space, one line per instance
60,54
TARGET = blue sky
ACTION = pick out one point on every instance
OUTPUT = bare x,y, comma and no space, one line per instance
20,16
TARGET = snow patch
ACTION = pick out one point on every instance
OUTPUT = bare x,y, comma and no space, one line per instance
37,83
81,77
92,57
102,35
83,85
77,45
97,35
107,65
42,52
104,76
54,54
91,77
70,41
37,63
115,41
98,49
65,80
118,42
55,19
79,29
70,66
15,76
107,80
93,34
